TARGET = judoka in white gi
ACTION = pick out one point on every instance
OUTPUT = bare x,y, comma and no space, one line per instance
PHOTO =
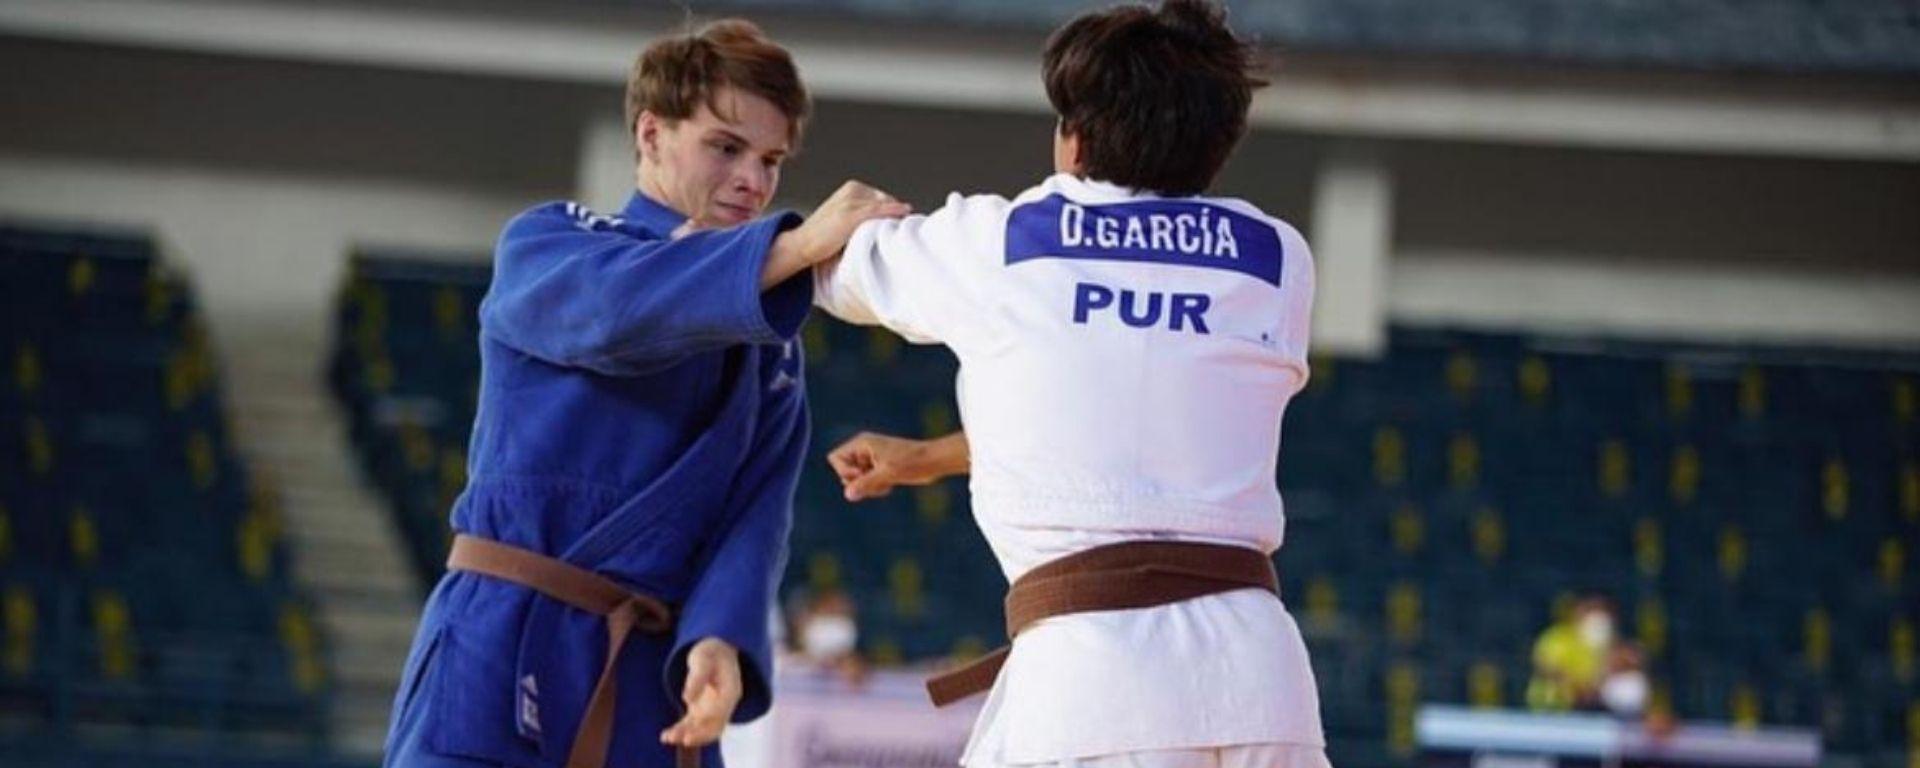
1127,347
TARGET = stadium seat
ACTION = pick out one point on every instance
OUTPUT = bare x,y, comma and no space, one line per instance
1443,501
133,560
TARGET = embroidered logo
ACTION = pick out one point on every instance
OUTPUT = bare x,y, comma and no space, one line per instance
529,707
785,376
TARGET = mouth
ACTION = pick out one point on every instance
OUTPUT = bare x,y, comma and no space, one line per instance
734,213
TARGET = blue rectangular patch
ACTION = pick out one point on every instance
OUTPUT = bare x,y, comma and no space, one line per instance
1180,232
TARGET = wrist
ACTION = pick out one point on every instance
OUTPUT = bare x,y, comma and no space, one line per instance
806,246
785,248
786,257
919,461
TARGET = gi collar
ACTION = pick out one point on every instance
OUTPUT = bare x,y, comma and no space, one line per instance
1097,190
651,214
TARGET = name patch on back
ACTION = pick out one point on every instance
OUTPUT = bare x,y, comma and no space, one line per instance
1178,232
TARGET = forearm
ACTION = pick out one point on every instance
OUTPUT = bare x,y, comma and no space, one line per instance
728,605
617,304
730,623
785,258
949,455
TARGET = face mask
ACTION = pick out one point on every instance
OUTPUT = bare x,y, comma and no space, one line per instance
1596,630
828,637
1625,693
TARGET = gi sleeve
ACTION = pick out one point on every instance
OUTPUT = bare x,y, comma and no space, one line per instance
1296,322
575,291
917,276
737,587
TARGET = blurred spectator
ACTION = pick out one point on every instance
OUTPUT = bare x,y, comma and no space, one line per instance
826,635
1624,690
1572,658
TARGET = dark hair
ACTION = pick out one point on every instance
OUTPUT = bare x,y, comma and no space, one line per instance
1157,97
675,75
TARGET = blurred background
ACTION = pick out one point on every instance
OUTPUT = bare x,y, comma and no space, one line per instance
1618,350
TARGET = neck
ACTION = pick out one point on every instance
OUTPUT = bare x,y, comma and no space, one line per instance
647,180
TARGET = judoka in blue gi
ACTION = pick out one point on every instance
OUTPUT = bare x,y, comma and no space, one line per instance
641,421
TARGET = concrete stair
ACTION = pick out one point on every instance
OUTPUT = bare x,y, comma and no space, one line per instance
348,556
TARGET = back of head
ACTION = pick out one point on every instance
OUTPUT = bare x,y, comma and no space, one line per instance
1157,97
674,76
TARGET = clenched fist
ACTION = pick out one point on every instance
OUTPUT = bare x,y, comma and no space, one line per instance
869,465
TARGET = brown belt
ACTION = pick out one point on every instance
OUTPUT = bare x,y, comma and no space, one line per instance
624,610
1135,574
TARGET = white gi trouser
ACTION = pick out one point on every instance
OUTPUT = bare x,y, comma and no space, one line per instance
1245,756
1215,671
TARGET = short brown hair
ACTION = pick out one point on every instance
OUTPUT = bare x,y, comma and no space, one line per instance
675,75
1157,97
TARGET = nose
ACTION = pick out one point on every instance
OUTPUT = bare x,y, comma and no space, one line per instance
753,178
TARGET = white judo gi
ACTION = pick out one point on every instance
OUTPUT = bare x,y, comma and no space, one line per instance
1124,363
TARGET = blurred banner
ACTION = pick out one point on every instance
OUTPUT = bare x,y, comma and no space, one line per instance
823,721
1456,737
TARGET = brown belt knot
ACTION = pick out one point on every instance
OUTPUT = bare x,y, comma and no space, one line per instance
625,611
1134,574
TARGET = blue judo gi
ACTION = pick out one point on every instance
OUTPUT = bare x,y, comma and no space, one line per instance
642,415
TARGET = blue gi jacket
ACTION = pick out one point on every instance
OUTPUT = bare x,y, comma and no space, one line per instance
642,414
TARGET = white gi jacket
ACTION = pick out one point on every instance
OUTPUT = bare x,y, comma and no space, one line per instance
1124,362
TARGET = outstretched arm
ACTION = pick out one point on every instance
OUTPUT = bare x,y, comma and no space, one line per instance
870,464
918,276
573,291
826,231
570,289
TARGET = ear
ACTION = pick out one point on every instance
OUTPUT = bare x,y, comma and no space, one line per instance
1068,154
646,133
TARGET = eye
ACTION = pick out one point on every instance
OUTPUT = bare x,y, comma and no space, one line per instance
729,149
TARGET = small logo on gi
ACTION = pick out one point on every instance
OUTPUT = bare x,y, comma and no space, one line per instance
782,378
529,708
585,218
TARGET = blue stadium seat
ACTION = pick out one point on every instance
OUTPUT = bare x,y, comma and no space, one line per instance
1442,501
122,579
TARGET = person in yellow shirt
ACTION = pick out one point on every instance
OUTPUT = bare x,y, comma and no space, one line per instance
1571,658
